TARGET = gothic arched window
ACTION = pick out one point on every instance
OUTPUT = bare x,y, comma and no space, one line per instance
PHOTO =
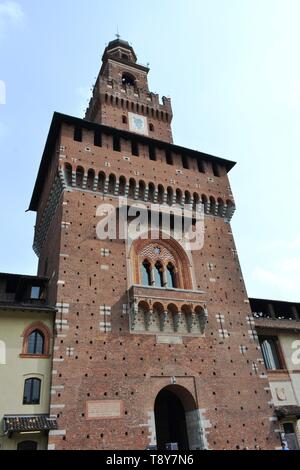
146,273
170,274
36,342
158,275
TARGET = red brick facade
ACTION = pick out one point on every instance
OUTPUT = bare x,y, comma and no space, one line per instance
215,370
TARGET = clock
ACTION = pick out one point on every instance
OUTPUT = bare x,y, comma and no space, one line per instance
138,123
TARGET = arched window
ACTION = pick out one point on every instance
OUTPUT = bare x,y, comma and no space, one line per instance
160,194
36,343
132,186
79,176
101,181
68,174
111,183
178,196
158,275
90,179
122,185
32,391
171,279
187,197
151,192
142,188
146,273
151,127
27,445
170,196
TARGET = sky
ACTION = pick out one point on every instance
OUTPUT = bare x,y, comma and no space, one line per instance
232,70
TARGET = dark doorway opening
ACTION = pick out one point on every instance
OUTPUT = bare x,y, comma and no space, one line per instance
27,445
170,421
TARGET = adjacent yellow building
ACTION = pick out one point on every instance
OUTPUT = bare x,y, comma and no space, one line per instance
26,343
278,327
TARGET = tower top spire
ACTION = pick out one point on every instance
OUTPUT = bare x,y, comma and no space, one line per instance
117,47
121,96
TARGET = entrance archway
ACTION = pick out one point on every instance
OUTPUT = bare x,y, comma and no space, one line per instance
177,419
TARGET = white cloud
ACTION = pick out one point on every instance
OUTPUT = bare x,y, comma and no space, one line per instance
10,13
84,94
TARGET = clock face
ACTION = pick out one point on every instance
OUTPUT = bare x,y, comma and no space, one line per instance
138,123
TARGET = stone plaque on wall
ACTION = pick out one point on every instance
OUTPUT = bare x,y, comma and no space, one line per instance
165,339
104,409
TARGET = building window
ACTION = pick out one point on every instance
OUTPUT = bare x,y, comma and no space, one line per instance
35,293
116,144
36,340
151,127
200,165
290,436
146,274
152,153
134,148
171,280
169,158
97,139
158,275
36,343
78,134
271,352
32,390
185,161
124,119
27,445
215,169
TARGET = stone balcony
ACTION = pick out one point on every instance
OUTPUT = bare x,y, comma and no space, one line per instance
166,310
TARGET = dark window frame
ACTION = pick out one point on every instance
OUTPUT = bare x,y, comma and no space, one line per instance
116,143
278,358
135,148
78,134
33,344
97,139
31,394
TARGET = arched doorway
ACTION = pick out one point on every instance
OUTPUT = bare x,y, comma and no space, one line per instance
27,445
177,419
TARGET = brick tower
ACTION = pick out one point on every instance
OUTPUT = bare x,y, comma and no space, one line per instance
155,343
